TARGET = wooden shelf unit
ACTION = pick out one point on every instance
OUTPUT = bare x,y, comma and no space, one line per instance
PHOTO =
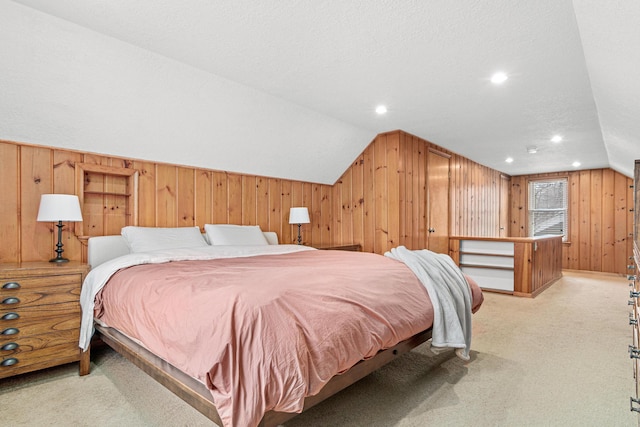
519,266
108,198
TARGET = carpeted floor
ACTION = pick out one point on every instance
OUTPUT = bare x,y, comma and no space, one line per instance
557,360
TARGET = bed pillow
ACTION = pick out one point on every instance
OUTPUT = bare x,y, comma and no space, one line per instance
229,234
145,239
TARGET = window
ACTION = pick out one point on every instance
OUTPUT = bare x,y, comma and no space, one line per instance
548,208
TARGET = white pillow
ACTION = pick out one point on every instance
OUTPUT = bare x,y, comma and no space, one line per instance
229,234
145,239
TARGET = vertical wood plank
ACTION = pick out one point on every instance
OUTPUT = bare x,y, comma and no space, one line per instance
622,234
249,200
203,198
185,197
325,209
336,209
381,195
318,221
346,208
403,203
275,204
595,214
38,238
358,200
574,222
417,193
10,250
284,230
307,230
608,222
585,219
235,208
262,203
146,193
166,197
220,198
422,197
393,185
64,183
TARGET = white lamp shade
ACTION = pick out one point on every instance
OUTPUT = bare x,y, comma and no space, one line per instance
59,207
299,216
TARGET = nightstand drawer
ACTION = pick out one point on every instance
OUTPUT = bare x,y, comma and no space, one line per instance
10,346
33,325
50,355
44,299
9,283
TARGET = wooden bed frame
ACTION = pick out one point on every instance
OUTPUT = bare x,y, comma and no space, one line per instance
198,396
193,391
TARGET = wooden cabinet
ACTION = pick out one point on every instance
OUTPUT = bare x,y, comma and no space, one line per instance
39,315
634,293
521,266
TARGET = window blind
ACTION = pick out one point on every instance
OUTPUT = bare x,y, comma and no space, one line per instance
548,207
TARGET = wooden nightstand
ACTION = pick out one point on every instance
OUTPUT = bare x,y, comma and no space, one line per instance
39,315
354,248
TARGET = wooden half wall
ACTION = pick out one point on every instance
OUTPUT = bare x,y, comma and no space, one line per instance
379,202
600,218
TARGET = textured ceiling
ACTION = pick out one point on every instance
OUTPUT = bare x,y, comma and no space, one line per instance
572,66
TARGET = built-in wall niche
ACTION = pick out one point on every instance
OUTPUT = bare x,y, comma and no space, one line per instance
108,199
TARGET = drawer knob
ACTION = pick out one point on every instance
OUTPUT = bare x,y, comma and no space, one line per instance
9,362
10,331
10,300
9,346
11,285
10,316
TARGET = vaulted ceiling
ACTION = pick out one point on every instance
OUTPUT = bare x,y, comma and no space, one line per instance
572,67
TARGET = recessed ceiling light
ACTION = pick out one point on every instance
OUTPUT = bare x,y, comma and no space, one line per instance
532,150
575,164
509,160
556,138
381,109
499,78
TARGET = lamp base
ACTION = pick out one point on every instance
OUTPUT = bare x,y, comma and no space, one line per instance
59,245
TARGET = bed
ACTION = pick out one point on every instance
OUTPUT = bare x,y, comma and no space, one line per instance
250,332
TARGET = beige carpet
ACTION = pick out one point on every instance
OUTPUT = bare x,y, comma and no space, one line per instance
557,360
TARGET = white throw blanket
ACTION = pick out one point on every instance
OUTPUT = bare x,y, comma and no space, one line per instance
449,293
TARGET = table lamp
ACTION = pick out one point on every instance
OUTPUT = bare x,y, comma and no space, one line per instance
58,208
299,216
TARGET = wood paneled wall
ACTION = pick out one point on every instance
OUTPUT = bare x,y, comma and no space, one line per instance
381,200
169,196
600,218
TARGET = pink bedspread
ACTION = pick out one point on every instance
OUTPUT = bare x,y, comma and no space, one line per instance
264,332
